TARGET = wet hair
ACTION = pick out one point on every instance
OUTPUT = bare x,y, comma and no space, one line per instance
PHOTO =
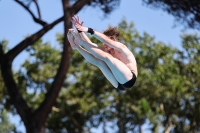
112,33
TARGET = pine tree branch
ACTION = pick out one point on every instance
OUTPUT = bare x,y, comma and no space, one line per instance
39,21
38,9
32,39
79,5
50,99
13,90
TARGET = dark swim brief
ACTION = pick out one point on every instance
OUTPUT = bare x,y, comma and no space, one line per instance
128,84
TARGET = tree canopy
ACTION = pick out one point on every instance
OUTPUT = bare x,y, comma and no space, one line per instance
160,98
185,12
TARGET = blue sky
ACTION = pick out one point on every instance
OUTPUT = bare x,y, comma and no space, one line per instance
16,23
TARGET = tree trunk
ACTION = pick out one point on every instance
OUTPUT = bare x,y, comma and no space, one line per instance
35,127
140,128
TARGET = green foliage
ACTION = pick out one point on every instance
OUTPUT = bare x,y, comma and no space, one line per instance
5,124
166,93
164,76
37,72
4,44
4,98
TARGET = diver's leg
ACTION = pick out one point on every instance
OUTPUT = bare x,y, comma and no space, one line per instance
100,64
